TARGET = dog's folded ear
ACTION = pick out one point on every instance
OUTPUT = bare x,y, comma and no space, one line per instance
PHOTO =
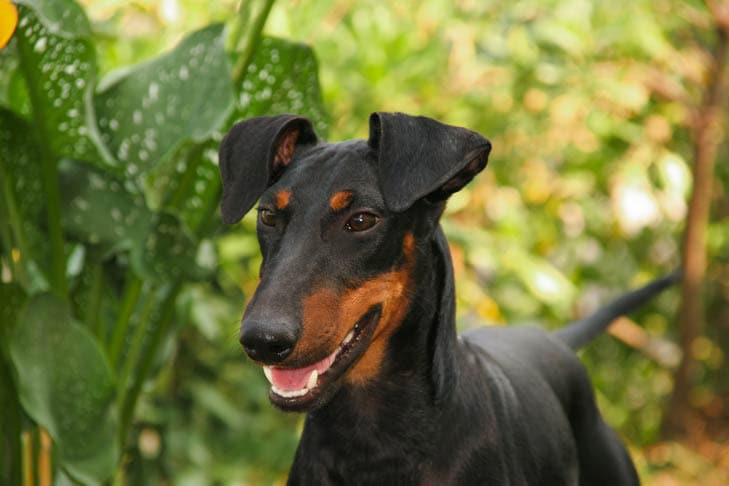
254,154
421,157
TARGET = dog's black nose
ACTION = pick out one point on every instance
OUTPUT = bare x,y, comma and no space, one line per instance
268,343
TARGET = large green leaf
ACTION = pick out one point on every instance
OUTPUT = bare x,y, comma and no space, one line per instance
58,61
146,112
66,385
189,183
100,208
283,77
168,252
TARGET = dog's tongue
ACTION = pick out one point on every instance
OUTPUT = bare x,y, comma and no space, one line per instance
296,379
290,380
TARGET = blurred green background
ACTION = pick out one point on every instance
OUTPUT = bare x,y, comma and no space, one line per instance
111,230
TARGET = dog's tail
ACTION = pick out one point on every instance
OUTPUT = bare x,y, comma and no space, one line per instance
578,333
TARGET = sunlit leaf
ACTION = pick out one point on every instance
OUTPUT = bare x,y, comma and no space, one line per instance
283,77
58,63
544,280
633,200
66,385
147,111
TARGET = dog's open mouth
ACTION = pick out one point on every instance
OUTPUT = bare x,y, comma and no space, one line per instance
295,389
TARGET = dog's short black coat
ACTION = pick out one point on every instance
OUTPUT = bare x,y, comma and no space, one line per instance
351,242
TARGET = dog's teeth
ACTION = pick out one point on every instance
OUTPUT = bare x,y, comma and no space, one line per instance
268,373
311,383
349,337
289,394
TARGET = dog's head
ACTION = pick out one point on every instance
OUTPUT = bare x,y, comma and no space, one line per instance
339,225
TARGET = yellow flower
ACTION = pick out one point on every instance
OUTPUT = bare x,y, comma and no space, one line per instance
8,21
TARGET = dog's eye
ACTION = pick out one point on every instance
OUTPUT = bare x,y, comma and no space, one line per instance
268,217
361,222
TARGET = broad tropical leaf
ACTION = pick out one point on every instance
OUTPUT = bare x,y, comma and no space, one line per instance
147,111
66,385
58,62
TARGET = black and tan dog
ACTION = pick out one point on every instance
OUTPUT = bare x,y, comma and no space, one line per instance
353,320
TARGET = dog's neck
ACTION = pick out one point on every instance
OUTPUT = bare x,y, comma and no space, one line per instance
415,379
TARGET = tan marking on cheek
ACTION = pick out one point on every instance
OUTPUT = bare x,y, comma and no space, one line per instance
319,330
282,198
392,290
328,316
340,200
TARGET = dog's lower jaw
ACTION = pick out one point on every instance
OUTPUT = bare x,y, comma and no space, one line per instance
319,390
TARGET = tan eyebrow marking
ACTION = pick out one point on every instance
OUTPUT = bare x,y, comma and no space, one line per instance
340,200
282,198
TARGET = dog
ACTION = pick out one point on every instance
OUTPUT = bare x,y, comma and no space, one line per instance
353,321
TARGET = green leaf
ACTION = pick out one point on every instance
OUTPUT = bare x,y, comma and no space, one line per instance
23,195
58,61
146,112
63,18
544,280
168,252
19,155
283,77
189,183
100,208
13,92
66,385
12,297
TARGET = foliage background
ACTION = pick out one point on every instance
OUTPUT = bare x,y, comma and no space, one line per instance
587,105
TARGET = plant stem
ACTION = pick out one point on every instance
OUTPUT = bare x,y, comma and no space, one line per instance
252,39
241,24
135,348
706,139
11,449
53,210
44,458
93,307
132,290
26,440
145,366
17,239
